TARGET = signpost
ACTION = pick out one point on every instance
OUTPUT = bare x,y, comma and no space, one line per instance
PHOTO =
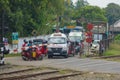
89,34
15,38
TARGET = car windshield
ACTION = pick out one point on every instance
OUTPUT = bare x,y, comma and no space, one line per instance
37,42
95,42
57,40
75,38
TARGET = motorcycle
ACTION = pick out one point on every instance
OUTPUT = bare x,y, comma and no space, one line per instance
42,45
31,53
71,50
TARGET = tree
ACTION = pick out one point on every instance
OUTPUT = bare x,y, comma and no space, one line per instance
112,13
81,3
90,14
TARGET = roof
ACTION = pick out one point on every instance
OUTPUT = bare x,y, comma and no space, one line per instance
75,33
58,35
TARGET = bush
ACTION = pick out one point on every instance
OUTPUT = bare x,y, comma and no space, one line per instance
117,37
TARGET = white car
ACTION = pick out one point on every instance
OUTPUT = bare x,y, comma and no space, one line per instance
95,46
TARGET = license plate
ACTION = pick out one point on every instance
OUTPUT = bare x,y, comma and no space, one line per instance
56,53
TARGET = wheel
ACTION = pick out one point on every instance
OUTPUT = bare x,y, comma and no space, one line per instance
40,57
50,56
73,54
25,58
3,63
66,56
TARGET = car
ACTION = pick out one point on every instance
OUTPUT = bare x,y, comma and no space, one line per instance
95,46
58,45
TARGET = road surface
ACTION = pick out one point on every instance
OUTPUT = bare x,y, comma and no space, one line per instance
75,63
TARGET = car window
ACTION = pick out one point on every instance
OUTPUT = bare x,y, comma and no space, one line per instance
37,42
75,38
57,40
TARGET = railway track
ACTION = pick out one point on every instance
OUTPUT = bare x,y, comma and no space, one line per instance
105,57
38,73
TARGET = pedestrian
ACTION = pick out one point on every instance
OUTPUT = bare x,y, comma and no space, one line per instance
81,48
101,48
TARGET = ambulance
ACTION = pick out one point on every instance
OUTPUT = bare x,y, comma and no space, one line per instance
58,45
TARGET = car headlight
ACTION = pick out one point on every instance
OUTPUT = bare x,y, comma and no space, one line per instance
64,48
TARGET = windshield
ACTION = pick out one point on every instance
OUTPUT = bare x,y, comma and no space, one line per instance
95,42
37,42
57,40
75,38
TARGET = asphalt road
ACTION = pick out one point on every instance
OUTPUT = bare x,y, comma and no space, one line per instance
75,63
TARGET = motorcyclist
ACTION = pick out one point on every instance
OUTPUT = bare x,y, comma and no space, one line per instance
30,49
25,43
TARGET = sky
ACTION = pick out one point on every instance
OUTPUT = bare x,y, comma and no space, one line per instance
101,3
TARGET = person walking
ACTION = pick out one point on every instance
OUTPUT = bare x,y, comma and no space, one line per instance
81,48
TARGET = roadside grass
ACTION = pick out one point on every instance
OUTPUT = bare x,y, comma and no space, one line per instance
13,55
114,49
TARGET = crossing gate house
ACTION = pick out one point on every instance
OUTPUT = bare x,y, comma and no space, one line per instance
115,28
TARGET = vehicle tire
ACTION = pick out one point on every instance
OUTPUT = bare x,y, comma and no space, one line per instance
50,56
40,57
73,54
3,63
66,56
25,58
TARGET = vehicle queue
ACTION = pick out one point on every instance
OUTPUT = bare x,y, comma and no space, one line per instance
58,44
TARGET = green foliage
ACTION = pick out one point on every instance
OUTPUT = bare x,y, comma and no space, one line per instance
117,37
13,55
113,50
112,12
92,13
24,16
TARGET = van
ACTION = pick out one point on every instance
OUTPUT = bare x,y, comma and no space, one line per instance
57,45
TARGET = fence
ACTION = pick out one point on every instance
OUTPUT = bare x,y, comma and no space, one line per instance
117,42
106,42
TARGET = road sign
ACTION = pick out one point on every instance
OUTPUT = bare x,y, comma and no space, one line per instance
89,33
34,32
90,26
70,27
15,37
89,37
89,40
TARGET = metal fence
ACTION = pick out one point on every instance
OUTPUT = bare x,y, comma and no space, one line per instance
106,42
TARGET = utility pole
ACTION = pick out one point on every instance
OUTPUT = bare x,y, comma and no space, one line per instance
1,38
2,27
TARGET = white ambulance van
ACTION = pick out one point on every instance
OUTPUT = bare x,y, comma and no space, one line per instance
57,45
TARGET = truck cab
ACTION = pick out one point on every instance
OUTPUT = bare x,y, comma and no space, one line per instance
57,45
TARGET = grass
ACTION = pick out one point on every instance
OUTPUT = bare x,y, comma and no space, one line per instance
114,49
13,55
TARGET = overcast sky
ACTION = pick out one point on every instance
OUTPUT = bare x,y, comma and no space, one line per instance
102,3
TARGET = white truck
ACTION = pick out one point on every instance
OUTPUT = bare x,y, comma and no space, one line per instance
76,36
57,45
